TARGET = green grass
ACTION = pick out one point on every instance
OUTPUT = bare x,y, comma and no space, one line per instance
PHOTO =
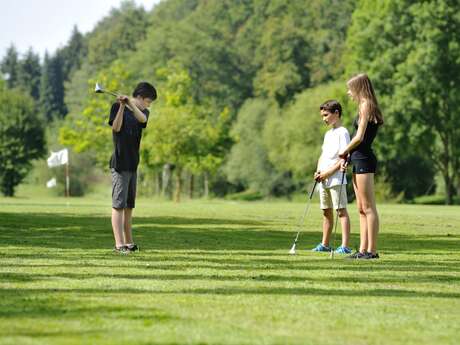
218,272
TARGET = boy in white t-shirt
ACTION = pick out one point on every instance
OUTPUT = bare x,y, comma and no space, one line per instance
329,175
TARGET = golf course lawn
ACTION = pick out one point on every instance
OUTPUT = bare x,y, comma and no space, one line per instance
219,272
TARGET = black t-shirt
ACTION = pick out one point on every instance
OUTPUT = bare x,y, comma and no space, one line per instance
126,142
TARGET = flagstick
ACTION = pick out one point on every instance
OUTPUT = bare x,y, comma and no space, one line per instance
67,180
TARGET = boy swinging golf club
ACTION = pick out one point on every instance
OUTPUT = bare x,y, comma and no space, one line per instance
128,117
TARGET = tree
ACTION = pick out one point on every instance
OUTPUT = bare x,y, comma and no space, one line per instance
73,53
21,138
248,163
52,104
9,66
117,35
411,51
182,132
29,74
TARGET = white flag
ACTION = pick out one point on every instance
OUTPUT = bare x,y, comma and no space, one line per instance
58,158
51,183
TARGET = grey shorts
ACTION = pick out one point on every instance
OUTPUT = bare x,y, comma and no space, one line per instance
123,188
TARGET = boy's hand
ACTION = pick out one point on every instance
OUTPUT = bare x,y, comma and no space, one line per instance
344,165
316,175
322,176
123,99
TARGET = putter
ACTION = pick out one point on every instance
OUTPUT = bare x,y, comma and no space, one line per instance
337,216
307,207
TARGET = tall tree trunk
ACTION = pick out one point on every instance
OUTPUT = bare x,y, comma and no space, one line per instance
206,185
192,186
158,190
178,184
166,175
448,188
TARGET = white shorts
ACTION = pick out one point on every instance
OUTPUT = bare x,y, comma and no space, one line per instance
329,197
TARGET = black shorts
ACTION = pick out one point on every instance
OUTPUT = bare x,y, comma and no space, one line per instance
364,166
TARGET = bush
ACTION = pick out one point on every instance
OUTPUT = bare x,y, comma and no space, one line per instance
434,200
247,195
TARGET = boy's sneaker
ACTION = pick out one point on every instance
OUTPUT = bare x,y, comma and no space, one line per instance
371,256
121,250
343,250
321,248
357,255
132,248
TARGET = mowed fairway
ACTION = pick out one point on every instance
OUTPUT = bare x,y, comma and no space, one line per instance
215,272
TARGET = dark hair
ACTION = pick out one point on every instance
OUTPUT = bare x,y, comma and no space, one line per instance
145,90
331,106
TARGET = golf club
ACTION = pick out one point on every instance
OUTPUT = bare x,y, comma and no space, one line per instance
100,89
337,215
307,207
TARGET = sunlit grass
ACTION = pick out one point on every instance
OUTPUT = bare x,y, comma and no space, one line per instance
214,272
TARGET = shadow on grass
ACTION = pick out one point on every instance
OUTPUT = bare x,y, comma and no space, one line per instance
255,276
42,304
33,305
61,231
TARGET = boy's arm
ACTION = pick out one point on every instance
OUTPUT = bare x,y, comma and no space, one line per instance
344,140
118,120
317,172
138,114
330,171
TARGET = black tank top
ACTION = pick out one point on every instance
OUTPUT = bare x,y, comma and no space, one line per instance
364,149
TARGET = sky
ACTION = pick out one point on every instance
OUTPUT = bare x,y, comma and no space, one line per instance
46,25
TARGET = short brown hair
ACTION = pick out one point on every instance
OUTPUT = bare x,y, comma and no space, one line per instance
331,106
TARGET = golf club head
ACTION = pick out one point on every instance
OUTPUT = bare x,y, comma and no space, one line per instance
292,251
332,253
98,88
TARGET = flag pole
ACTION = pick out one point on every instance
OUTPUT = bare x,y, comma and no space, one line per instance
67,180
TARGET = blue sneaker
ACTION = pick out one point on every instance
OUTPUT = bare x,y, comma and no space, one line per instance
321,248
343,250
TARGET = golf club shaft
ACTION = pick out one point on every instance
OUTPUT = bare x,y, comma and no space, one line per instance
307,207
337,214
111,93
116,95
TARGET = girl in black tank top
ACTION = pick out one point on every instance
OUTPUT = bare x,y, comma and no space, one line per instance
361,155
364,149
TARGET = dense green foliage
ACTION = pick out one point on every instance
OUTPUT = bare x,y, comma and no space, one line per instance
21,138
412,51
257,71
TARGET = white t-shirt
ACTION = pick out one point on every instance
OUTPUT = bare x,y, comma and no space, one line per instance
335,141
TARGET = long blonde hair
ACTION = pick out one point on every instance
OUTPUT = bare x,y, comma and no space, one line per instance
361,86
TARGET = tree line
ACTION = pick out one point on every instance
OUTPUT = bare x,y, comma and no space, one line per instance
240,83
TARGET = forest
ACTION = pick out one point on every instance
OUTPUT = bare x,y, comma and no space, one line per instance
239,84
